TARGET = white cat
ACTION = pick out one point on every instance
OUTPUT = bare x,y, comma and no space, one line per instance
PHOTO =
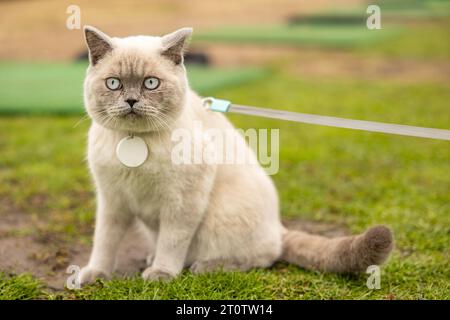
201,216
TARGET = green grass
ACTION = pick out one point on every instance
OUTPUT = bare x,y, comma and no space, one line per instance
52,88
281,282
20,287
333,175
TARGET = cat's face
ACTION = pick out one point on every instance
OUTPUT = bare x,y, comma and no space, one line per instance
135,84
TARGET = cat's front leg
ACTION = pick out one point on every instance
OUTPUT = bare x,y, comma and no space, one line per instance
176,231
110,228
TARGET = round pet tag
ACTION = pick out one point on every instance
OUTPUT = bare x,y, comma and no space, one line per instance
132,151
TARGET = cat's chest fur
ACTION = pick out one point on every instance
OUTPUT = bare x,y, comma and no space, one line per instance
141,190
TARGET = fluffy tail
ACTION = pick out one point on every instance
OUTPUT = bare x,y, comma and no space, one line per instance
344,254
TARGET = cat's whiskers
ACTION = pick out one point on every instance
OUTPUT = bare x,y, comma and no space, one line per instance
83,118
160,118
105,117
163,118
154,124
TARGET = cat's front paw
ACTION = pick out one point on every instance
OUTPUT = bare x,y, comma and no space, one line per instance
155,274
88,275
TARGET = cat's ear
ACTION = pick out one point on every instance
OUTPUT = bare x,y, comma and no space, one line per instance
174,44
98,43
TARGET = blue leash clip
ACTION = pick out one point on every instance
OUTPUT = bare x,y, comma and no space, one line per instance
216,104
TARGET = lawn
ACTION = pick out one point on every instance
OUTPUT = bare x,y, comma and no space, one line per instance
354,179
337,177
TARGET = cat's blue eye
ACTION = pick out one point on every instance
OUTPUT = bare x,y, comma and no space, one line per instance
151,83
113,83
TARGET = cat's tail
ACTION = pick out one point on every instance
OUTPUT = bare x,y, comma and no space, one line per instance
343,254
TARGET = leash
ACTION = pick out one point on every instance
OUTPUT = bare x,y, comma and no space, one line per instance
220,105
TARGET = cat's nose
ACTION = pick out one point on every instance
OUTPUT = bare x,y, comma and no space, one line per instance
131,102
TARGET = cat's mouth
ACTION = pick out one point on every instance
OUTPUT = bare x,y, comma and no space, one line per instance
140,119
131,114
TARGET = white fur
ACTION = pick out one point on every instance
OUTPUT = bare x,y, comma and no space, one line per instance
200,216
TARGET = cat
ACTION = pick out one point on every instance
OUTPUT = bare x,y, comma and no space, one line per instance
199,216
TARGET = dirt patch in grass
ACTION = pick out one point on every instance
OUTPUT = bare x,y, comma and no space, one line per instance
24,248
48,257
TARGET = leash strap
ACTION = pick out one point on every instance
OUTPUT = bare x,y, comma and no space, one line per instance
220,105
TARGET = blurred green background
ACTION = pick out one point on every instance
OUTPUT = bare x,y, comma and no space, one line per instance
306,56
